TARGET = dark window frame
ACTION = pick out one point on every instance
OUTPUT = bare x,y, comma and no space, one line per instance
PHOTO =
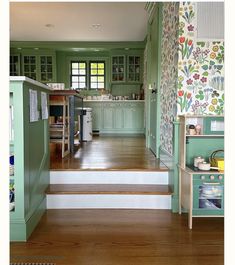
88,75
78,75
97,75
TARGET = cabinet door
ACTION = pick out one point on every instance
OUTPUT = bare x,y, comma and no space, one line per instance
138,117
46,68
39,67
118,117
108,117
118,68
134,117
128,119
30,66
133,69
96,118
15,65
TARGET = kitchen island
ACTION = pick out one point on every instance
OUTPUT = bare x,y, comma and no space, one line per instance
117,116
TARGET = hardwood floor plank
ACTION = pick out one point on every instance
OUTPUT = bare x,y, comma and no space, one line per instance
109,189
122,237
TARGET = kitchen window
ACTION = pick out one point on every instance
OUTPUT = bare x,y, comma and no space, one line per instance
87,74
97,74
78,75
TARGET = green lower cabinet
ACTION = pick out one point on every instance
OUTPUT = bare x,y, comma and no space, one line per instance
134,117
96,116
108,117
117,117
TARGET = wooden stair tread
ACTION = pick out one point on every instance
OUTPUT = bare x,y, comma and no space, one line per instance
144,189
127,169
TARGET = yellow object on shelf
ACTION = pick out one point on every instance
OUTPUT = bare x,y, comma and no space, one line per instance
217,161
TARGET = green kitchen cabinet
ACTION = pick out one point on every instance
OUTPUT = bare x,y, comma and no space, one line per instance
96,114
118,117
29,144
133,68
133,114
30,66
14,64
39,67
96,117
126,68
118,68
108,116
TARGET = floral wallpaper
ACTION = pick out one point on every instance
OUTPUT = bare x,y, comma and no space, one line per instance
200,68
192,77
169,73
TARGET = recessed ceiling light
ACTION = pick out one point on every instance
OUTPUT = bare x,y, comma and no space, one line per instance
36,48
49,25
96,26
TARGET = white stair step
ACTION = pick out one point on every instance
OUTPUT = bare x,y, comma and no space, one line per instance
86,201
109,177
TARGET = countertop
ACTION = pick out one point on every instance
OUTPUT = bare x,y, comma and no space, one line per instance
29,80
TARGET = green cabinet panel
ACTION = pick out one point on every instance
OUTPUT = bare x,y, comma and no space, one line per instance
133,117
96,118
96,114
29,143
118,117
108,116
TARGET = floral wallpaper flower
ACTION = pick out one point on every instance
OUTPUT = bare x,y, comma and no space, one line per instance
200,68
169,65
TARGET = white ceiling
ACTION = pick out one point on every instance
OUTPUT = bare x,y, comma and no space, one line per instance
120,21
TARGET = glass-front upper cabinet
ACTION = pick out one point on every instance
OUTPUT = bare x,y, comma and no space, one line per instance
133,69
39,67
46,71
118,68
29,66
14,65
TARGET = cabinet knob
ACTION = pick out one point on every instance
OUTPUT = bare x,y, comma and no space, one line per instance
220,177
212,177
203,177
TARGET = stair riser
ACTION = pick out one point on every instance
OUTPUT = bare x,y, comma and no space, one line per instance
109,201
108,177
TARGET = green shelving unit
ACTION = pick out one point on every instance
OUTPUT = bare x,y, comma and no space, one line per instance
201,192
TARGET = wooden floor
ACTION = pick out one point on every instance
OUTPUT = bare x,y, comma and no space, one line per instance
107,153
122,237
141,189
